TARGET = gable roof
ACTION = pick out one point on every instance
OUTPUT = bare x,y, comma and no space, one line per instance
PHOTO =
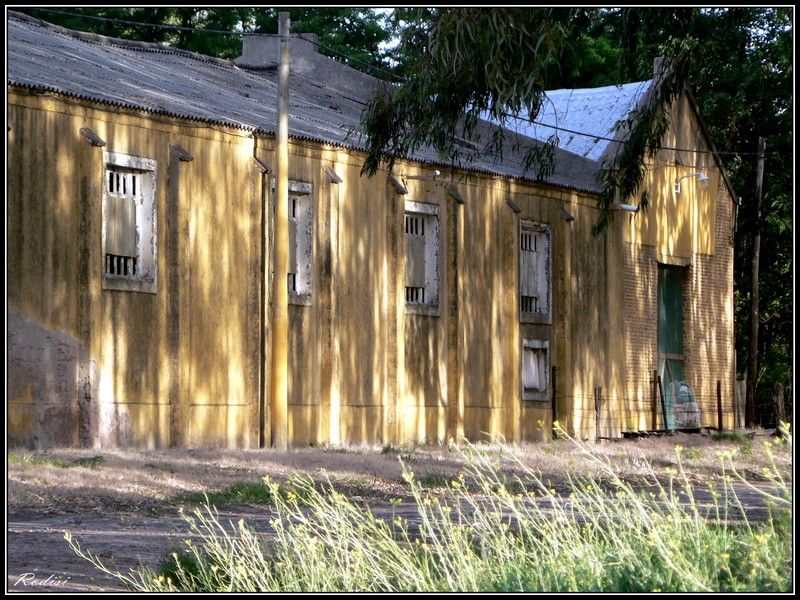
325,103
584,120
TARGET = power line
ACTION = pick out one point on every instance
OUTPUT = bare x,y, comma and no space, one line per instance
377,68
354,59
140,23
608,139
214,31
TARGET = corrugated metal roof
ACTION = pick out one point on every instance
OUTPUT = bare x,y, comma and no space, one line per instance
592,111
325,105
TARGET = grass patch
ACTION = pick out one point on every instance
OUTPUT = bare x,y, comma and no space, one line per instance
435,480
692,453
91,462
730,436
480,536
239,493
745,442
28,459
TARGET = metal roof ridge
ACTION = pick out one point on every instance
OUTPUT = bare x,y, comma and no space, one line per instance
105,40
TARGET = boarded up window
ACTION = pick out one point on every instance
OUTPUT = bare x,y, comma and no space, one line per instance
129,221
301,229
421,253
534,272
535,369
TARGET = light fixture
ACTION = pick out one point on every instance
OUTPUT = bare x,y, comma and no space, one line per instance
701,177
629,208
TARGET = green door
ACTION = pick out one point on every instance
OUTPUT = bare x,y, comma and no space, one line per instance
670,335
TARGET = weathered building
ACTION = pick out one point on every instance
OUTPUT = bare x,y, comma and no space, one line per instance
425,303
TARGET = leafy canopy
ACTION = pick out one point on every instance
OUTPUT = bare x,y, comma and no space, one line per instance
462,64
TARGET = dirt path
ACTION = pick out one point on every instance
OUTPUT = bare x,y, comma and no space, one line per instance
123,506
37,546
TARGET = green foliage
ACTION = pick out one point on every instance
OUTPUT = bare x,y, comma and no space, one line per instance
238,493
609,537
28,459
466,62
91,462
434,480
519,54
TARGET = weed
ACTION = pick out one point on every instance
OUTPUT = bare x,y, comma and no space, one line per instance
434,480
692,453
245,492
27,459
730,436
91,462
478,535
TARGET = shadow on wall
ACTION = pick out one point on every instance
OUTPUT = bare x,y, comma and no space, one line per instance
51,384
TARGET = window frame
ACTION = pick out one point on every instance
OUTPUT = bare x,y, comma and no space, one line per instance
538,395
146,278
545,317
303,192
433,239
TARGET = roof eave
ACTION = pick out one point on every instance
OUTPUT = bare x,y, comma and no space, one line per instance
710,142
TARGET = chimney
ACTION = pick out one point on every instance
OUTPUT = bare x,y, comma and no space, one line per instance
264,51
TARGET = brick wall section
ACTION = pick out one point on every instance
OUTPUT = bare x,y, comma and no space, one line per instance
708,320
708,326
641,331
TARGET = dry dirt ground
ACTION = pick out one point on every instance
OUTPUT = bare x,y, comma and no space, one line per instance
122,505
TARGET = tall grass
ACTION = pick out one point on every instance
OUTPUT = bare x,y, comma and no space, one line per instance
491,531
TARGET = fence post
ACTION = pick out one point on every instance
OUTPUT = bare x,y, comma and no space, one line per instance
654,398
596,414
663,404
553,414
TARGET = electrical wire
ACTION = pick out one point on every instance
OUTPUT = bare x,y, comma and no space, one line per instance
217,32
137,23
389,73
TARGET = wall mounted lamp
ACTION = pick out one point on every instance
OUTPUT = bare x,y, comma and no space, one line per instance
701,177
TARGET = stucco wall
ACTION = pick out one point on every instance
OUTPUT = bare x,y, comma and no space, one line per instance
186,366
172,368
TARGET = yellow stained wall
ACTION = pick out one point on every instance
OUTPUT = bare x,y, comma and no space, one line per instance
140,394
44,220
182,366
694,229
679,225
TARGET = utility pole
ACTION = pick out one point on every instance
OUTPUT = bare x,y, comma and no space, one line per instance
279,387
752,362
